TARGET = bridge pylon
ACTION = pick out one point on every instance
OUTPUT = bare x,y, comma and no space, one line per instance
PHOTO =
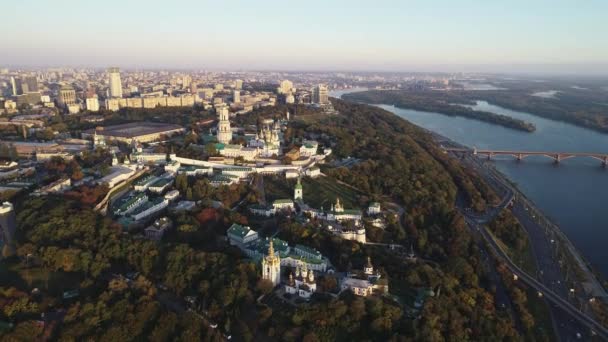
558,158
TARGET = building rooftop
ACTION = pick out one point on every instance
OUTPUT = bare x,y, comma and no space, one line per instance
161,182
307,249
125,202
135,129
238,230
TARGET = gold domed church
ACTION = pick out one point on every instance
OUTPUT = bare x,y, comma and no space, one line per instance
271,266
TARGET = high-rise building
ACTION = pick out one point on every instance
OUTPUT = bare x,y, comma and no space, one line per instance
320,94
238,84
236,96
115,83
186,80
193,88
67,96
271,266
93,103
224,132
16,86
285,87
7,228
29,84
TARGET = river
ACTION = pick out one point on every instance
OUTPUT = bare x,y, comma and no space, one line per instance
573,193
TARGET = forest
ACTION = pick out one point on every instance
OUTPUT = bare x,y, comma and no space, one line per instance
133,289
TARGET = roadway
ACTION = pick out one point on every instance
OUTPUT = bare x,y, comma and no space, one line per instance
551,281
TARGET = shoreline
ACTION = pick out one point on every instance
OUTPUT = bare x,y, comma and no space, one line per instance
592,275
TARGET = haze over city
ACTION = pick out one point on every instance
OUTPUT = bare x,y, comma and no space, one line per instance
489,36
303,171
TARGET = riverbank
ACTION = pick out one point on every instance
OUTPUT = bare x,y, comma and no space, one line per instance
423,101
577,267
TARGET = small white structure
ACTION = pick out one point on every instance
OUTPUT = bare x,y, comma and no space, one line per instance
283,204
172,195
298,192
360,287
374,208
158,229
289,174
303,284
313,172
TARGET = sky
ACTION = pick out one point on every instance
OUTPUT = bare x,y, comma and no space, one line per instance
550,36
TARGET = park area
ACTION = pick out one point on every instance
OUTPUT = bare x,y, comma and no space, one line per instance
317,192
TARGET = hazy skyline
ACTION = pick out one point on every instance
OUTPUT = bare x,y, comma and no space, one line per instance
439,35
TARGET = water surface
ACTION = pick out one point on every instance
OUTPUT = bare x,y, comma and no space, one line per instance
574,194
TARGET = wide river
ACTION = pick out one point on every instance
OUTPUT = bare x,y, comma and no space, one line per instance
574,194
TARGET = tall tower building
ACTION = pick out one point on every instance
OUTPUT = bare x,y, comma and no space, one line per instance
115,83
29,84
297,192
236,96
16,85
271,266
320,94
224,132
186,81
7,228
238,84
193,88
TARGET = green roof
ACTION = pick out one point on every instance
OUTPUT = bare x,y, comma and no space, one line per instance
161,182
219,146
279,245
237,169
238,230
191,168
299,185
125,203
305,259
307,249
223,178
149,204
145,179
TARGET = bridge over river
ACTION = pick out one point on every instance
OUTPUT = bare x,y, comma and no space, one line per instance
520,155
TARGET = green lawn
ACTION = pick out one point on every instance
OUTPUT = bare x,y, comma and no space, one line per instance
318,192
323,191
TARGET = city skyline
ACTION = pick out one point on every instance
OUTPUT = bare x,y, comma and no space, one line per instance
414,36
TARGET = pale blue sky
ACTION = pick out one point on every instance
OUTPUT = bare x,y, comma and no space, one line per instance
401,35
